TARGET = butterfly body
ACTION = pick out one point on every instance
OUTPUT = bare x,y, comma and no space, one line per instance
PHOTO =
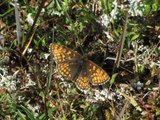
77,68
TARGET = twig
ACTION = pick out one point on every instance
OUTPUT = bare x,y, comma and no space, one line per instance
135,57
119,117
117,62
30,40
31,30
18,26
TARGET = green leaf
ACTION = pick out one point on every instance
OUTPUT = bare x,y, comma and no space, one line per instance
141,68
158,51
135,37
158,111
21,116
74,117
29,113
113,78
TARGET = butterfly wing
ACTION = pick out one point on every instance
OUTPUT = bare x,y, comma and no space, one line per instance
82,82
68,61
91,74
62,54
69,70
96,74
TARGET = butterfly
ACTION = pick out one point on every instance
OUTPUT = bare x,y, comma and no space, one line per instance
73,66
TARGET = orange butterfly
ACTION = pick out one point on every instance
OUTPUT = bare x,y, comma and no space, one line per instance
74,66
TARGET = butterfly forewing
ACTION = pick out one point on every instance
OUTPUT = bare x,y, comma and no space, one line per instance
68,63
62,54
97,75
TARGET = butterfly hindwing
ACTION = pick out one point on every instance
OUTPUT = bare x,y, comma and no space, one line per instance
69,70
83,82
